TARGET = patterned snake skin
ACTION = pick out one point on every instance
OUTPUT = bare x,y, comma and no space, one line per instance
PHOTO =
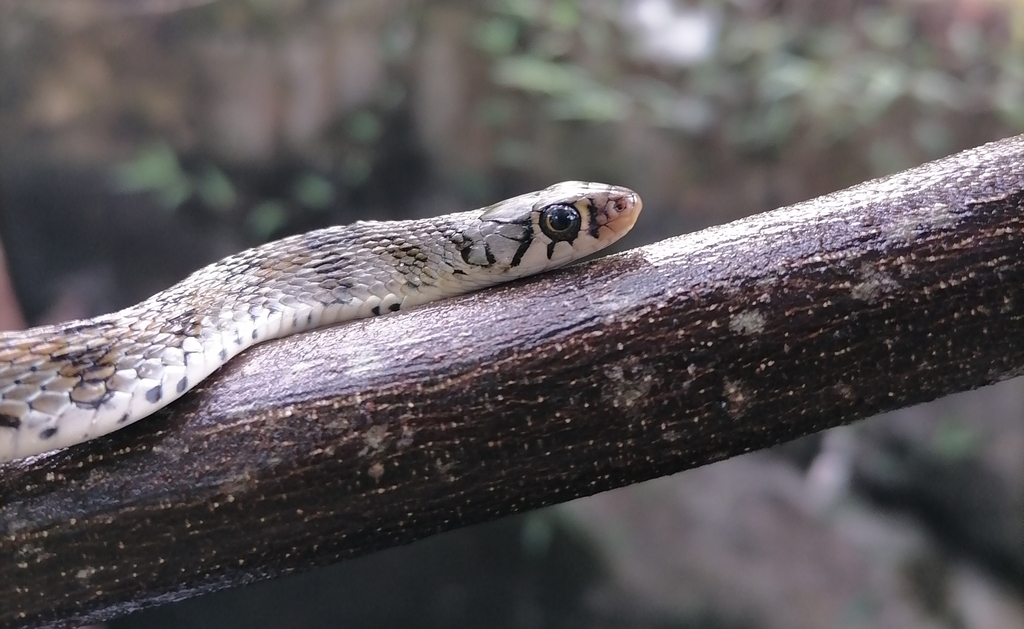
64,384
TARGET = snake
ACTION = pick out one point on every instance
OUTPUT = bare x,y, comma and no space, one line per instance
64,384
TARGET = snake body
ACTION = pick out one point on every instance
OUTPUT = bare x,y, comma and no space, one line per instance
64,384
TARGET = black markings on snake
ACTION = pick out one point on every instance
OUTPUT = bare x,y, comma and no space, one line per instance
75,326
467,251
592,227
9,421
521,251
184,321
255,334
525,221
46,434
376,310
80,359
182,385
551,248
410,250
124,418
394,307
223,353
153,395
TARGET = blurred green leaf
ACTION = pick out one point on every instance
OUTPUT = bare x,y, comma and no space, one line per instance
497,36
538,75
831,42
266,218
537,534
885,81
954,441
790,75
889,30
216,189
313,191
526,9
595,104
564,15
156,170
745,40
364,126
174,194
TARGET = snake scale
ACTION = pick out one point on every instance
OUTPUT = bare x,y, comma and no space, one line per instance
67,383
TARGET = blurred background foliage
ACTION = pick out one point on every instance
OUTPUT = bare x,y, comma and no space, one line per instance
140,139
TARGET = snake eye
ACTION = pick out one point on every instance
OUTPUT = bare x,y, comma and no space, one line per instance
560,222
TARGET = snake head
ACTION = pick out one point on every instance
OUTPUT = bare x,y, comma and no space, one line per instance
550,227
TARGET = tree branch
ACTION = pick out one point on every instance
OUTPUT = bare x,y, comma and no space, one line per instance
339,442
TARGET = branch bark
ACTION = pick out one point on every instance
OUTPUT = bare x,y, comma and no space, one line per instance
339,442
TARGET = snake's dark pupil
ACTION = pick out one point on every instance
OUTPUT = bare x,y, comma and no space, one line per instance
561,222
561,219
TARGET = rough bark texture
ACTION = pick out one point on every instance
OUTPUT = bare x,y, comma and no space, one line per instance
335,443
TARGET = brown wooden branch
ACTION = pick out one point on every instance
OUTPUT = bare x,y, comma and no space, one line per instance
335,443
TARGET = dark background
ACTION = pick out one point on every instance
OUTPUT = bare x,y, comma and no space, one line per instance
142,139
